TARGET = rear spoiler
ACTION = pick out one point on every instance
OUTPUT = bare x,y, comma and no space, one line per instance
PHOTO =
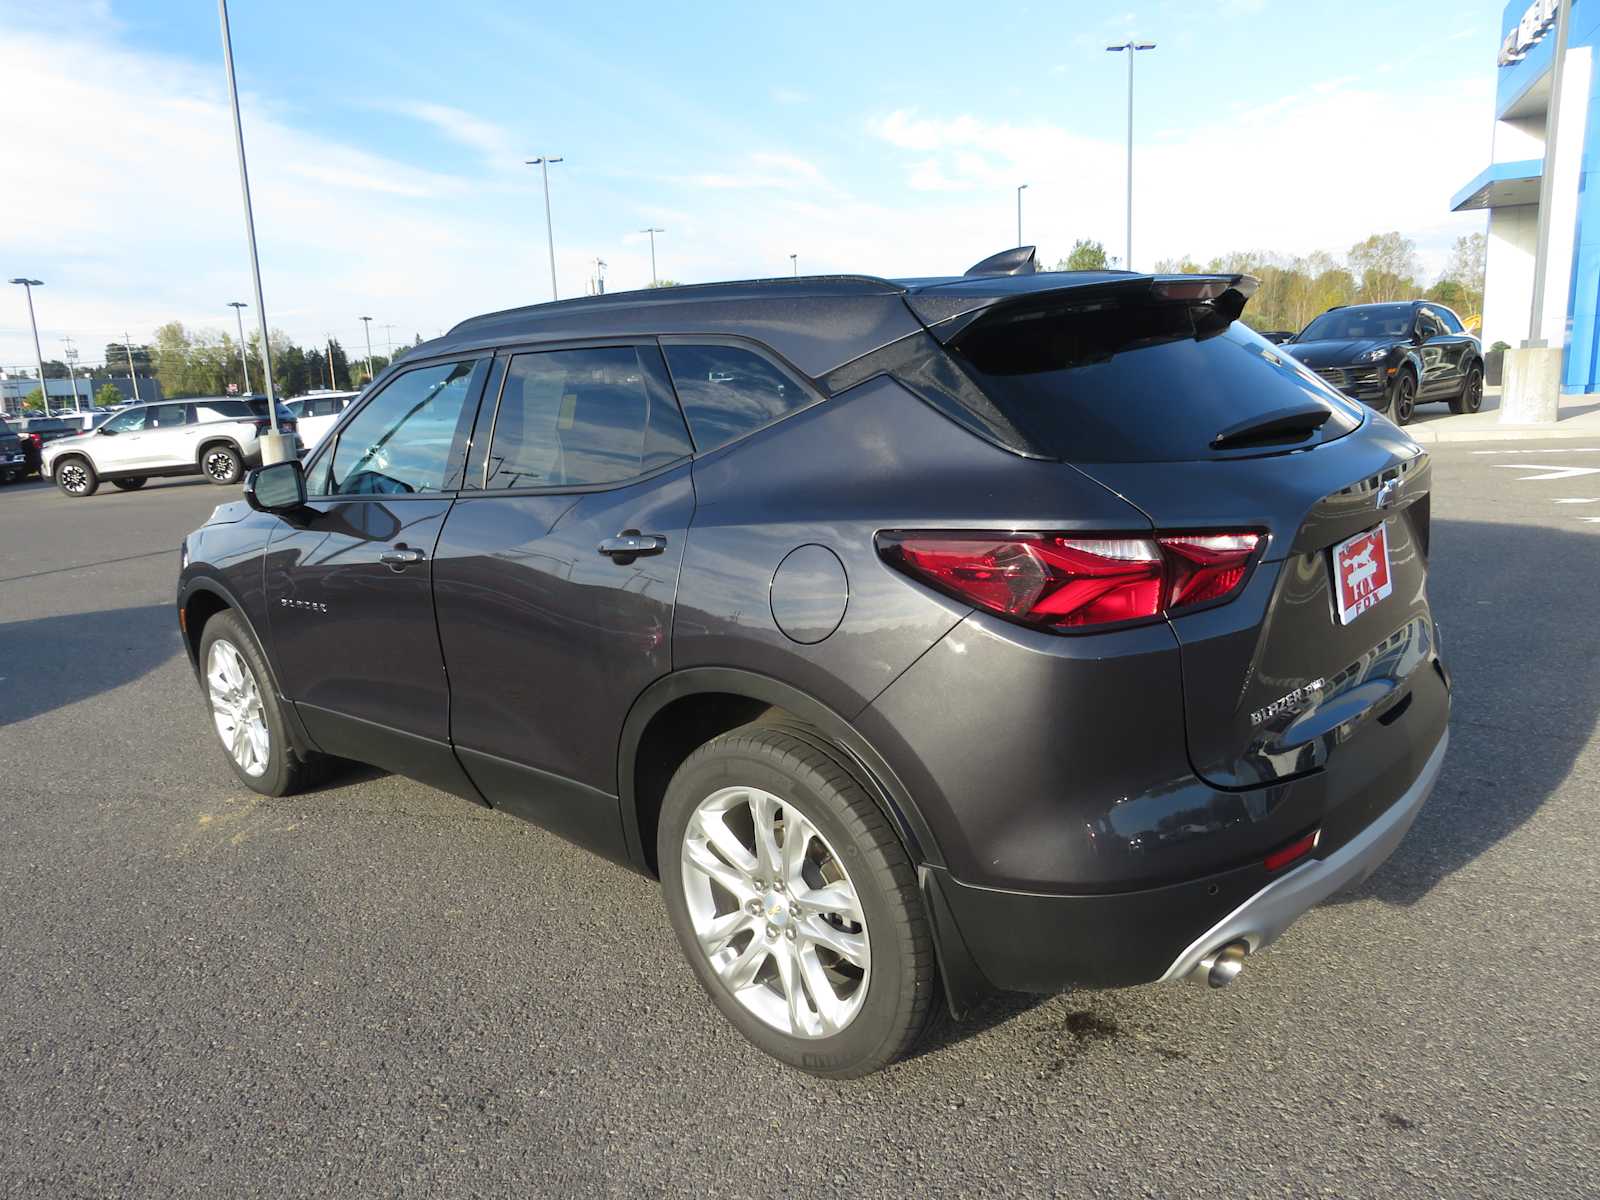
946,312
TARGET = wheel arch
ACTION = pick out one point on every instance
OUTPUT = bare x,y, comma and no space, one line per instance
687,708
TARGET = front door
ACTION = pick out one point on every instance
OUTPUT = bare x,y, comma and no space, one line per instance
117,443
348,578
555,580
1442,356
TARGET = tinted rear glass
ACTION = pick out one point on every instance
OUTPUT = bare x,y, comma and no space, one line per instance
1131,381
258,408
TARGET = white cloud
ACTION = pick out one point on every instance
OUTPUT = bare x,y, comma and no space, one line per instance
494,142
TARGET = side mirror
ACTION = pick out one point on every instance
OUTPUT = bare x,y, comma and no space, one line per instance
106,431
278,487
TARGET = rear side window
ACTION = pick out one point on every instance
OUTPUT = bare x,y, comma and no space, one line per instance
1132,381
576,418
726,392
403,441
166,416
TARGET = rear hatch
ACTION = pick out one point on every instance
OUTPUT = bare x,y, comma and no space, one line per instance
1158,393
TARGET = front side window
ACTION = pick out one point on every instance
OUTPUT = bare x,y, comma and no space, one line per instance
1428,325
726,392
131,421
1452,323
576,418
402,441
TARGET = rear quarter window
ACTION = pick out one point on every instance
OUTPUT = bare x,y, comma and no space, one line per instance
727,392
1136,382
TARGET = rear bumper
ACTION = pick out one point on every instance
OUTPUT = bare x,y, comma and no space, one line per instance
1022,941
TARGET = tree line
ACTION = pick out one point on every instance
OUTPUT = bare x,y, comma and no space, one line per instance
1296,288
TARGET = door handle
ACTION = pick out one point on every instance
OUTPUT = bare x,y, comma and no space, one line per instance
631,544
401,556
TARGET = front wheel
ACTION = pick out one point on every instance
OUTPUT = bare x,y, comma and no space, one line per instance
1471,398
246,713
222,464
132,484
76,477
1404,404
795,903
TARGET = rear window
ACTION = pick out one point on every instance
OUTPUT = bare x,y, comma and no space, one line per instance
1130,381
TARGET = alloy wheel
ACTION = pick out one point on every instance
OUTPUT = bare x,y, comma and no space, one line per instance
775,912
220,466
74,478
236,708
1474,392
1405,399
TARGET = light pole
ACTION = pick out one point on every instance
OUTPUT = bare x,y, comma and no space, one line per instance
238,307
1132,47
275,447
543,163
333,382
1021,187
794,264
28,285
388,337
652,231
132,374
366,323
599,277
71,355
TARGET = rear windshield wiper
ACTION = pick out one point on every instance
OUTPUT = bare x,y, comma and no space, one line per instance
1281,425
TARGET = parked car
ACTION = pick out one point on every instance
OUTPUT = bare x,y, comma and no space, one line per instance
217,437
1394,357
13,460
1010,630
317,413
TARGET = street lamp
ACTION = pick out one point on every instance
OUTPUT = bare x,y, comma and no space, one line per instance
1132,47
543,163
132,374
1021,187
794,263
238,307
366,323
71,355
652,231
275,447
28,285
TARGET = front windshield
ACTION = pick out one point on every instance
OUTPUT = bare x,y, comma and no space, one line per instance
1367,321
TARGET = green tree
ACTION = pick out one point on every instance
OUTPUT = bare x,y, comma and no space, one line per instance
1386,264
33,401
1086,255
1182,265
661,283
108,395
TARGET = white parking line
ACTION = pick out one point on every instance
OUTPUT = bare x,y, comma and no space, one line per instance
1557,450
1579,500
1550,472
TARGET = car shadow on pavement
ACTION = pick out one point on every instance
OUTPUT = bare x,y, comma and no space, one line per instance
47,663
1516,633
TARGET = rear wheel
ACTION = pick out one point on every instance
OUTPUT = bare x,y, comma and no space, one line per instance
132,484
1403,404
76,477
1471,398
222,464
795,903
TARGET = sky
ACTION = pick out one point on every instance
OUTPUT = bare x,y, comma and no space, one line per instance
387,145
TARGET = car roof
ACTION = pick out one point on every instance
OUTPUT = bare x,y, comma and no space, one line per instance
816,322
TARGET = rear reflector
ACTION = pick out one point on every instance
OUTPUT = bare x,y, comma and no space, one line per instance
1069,583
1293,852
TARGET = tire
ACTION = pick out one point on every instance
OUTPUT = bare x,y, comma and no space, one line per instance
1471,398
131,484
881,999
1403,403
238,689
76,477
221,463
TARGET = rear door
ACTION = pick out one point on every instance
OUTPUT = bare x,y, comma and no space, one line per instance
556,576
348,578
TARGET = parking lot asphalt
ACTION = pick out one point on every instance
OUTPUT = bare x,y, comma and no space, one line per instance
378,989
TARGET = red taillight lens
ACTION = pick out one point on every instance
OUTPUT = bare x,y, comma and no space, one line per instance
1075,582
1293,852
36,439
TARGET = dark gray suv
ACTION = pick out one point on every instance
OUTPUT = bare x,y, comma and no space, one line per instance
1011,630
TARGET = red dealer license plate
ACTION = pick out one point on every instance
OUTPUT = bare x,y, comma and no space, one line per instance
1361,573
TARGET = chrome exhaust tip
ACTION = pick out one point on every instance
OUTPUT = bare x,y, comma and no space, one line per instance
1223,965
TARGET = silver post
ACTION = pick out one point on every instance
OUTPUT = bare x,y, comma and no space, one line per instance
277,449
1541,252
71,355
333,383
543,163
1132,47
132,374
366,323
652,231
794,262
1021,187
238,307
27,286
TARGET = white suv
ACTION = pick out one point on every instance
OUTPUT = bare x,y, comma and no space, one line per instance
319,412
215,437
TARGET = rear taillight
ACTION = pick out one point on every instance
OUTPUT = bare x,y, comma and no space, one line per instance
36,439
1070,583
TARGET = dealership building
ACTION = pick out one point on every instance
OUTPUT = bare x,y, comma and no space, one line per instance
1509,188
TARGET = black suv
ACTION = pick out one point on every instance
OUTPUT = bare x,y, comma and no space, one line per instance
1395,356
1009,630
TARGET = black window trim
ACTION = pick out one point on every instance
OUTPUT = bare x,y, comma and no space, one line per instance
459,455
799,378
504,355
